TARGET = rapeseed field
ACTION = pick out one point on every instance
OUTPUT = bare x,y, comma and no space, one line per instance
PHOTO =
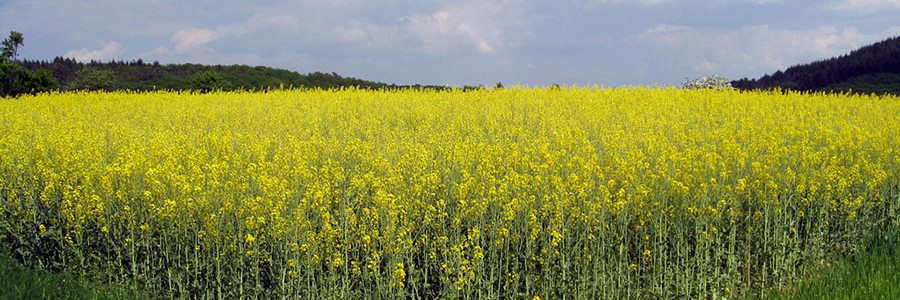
521,193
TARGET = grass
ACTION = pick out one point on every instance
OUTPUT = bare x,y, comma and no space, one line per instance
20,282
872,275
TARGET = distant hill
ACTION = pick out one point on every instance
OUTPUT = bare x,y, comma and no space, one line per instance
140,76
871,69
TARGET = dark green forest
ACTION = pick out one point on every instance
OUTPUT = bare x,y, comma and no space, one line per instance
140,76
870,69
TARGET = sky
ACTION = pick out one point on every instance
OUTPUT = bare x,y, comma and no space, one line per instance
465,42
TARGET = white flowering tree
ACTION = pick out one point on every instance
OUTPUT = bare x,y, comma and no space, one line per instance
708,82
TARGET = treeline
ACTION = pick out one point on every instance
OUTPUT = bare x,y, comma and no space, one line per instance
67,74
138,75
34,76
870,69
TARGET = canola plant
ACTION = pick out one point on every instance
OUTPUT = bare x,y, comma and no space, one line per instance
578,192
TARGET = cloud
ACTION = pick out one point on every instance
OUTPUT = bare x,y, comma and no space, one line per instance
589,4
592,3
474,24
820,41
865,6
109,51
465,41
190,39
746,51
187,43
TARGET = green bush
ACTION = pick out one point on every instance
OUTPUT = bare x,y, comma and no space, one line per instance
208,81
94,79
15,80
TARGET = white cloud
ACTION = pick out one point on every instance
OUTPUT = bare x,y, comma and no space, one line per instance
475,24
364,34
194,40
591,3
350,34
187,43
109,51
865,6
190,39
748,50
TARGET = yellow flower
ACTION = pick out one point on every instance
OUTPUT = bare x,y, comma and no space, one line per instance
337,262
350,182
398,276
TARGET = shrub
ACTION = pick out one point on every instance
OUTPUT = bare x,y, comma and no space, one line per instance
15,80
95,79
208,81
708,82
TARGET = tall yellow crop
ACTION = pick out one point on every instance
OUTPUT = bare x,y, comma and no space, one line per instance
507,193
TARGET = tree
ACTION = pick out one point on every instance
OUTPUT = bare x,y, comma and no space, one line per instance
40,81
208,81
94,79
11,45
15,80
11,79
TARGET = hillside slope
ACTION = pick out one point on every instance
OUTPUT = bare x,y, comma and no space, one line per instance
871,69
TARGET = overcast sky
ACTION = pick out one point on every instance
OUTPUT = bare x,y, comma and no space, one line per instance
542,42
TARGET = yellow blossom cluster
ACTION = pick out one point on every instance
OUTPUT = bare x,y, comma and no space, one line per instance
578,192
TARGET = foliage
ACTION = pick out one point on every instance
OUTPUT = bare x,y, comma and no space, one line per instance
10,49
208,81
15,80
707,82
95,79
878,83
140,76
490,193
40,81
